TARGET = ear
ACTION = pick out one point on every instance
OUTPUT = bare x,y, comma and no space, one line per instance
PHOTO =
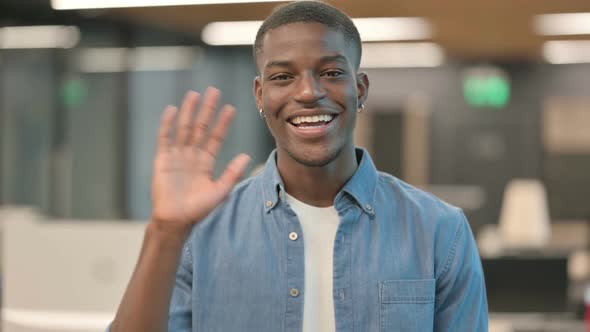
362,86
258,91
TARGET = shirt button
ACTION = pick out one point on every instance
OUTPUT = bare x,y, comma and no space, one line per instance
268,203
369,207
293,236
294,292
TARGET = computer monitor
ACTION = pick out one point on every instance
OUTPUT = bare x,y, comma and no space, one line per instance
526,284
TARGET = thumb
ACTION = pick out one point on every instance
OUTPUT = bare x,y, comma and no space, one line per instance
233,172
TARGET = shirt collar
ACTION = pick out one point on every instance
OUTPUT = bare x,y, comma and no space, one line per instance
361,186
272,184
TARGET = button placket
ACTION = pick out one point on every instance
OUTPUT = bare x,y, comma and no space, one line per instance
295,269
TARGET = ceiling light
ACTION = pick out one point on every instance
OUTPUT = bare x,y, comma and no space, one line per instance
93,4
393,28
103,60
370,29
165,58
231,33
562,24
150,58
567,51
392,55
42,36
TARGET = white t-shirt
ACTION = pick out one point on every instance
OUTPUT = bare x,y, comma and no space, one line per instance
319,231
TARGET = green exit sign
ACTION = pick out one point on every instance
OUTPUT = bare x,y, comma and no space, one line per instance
486,87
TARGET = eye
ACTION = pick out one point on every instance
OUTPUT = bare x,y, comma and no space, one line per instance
280,77
333,73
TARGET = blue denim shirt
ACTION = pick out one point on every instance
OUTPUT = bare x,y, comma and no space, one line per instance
403,261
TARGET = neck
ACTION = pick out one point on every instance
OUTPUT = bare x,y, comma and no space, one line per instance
317,186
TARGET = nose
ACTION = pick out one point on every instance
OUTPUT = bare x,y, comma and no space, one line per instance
309,89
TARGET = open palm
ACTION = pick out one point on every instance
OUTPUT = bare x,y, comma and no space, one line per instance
183,189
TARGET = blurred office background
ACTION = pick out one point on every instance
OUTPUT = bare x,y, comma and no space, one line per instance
485,104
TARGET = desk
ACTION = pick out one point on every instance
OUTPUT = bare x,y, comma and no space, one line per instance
535,322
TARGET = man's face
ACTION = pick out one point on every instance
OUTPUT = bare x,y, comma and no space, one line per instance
310,91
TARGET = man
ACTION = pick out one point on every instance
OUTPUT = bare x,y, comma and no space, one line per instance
319,240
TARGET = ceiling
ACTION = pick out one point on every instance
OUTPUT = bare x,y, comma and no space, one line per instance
467,29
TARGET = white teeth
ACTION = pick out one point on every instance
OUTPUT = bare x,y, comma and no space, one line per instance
311,119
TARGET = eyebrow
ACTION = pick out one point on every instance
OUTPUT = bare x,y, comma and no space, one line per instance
323,60
333,58
278,63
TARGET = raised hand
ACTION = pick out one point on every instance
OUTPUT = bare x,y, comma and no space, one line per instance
183,189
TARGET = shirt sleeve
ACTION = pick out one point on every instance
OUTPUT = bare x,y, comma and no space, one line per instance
180,315
461,302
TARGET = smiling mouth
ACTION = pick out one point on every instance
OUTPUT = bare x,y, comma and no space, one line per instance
312,120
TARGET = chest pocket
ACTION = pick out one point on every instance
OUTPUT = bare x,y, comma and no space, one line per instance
407,305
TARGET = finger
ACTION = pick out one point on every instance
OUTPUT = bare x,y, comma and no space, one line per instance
234,171
166,124
185,118
205,116
219,132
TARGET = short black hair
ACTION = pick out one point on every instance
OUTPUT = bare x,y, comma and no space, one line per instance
310,12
